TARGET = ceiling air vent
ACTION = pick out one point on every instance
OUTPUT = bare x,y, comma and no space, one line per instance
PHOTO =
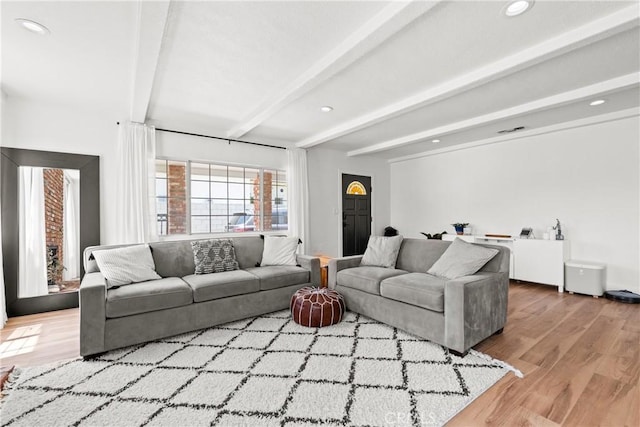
511,130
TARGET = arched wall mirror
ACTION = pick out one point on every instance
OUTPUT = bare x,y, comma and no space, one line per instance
50,213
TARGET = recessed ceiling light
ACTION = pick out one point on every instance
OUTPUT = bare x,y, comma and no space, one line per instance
326,109
517,7
597,102
435,141
33,26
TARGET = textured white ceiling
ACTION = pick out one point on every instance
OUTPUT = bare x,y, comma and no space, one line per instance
86,61
222,58
260,70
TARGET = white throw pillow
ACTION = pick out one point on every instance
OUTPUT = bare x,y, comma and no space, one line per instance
461,259
382,251
129,264
279,250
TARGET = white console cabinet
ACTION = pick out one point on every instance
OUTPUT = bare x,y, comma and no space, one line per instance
532,260
541,261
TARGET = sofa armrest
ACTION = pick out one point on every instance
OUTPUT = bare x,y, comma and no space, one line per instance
338,264
93,298
312,264
475,307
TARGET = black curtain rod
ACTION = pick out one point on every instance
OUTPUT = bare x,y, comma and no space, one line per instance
217,137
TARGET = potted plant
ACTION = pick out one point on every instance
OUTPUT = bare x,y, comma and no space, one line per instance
459,226
54,267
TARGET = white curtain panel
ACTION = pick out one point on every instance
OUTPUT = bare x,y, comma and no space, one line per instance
71,227
135,207
298,183
3,301
32,271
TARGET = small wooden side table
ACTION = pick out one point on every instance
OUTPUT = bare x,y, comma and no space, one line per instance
324,270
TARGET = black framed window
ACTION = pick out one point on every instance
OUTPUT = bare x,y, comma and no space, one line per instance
203,198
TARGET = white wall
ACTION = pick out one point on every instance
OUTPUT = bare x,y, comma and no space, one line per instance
184,147
588,177
37,126
325,196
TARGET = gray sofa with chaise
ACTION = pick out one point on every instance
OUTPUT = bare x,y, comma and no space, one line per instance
457,313
182,301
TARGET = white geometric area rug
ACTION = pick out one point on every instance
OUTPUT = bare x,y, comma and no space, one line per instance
261,371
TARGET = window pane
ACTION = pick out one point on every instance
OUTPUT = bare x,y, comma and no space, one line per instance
218,173
200,224
252,176
200,189
220,207
199,206
236,191
200,171
161,187
161,168
279,199
246,224
236,174
237,206
237,219
161,205
219,190
219,224
252,191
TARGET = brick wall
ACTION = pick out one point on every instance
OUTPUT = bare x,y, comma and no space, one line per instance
54,212
177,203
268,207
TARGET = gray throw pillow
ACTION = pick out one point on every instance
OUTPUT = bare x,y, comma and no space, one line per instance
382,251
214,256
125,265
461,259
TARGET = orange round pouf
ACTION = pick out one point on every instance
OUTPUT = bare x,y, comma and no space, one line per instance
317,307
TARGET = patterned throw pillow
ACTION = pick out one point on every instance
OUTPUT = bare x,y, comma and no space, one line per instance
214,256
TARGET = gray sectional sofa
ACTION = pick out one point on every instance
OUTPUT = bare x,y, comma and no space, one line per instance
182,301
457,313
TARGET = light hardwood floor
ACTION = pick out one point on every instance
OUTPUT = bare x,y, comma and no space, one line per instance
580,357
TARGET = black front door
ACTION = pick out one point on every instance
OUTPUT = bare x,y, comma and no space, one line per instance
356,213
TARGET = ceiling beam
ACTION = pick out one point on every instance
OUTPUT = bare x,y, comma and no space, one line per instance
558,100
391,19
584,35
152,19
587,121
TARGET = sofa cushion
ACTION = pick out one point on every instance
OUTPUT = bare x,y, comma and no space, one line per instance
148,296
248,250
279,276
366,278
420,289
220,285
173,258
418,255
462,259
382,251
